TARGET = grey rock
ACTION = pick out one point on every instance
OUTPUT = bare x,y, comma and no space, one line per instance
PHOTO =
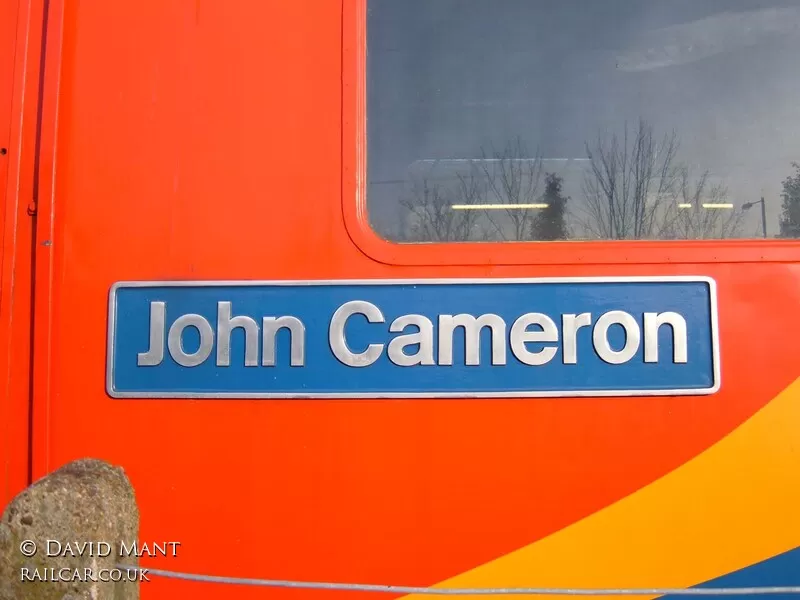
86,500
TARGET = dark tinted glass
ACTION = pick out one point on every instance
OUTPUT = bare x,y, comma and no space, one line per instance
504,120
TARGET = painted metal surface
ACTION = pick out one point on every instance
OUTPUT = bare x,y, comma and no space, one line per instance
480,338
20,52
217,141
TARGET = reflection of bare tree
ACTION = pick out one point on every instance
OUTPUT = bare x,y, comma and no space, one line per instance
637,189
503,188
631,180
512,182
431,217
701,211
790,209
634,188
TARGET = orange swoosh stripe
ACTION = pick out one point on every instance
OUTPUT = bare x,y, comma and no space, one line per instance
731,506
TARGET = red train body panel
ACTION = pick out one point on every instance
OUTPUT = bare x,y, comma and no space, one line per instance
209,141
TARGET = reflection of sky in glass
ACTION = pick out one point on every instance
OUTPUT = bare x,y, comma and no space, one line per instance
448,78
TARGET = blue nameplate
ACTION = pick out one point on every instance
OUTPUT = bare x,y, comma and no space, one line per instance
485,338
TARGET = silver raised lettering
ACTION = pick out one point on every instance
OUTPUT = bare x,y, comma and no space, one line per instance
175,340
225,326
570,325
337,339
155,352
520,336
297,340
680,345
632,337
424,337
472,338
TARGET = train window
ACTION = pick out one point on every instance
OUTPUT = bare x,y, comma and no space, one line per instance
534,120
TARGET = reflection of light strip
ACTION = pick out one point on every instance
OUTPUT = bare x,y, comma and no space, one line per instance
496,206
717,205
485,160
684,206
